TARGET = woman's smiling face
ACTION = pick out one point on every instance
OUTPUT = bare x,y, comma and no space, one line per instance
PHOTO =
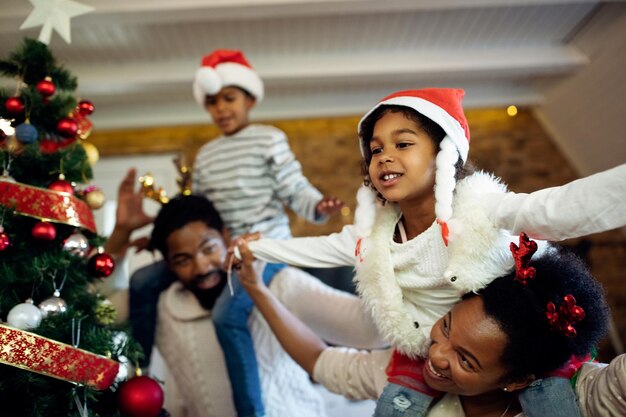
464,357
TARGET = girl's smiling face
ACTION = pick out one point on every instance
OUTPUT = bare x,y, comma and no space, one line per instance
402,167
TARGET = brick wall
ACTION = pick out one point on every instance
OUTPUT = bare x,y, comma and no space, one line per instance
516,149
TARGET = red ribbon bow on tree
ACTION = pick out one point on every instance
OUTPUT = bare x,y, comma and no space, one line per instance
568,314
522,255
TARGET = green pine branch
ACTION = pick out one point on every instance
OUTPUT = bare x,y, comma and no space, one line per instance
32,62
28,265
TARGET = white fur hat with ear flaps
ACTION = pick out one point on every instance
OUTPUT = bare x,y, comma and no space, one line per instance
226,68
442,106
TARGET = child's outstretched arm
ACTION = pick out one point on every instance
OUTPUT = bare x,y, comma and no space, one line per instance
337,249
298,340
588,205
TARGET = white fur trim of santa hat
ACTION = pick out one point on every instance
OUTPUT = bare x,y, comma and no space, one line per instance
226,68
442,106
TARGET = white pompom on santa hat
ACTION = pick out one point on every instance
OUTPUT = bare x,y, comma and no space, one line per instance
225,68
443,106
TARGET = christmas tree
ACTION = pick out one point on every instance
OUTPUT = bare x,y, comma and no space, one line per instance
60,349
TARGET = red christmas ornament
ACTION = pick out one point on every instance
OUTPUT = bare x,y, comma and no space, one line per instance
140,396
67,127
62,185
85,107
46,87
101,265
14,105
4,240
47,145
44,231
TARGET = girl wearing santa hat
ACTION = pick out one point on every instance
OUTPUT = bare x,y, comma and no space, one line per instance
427,231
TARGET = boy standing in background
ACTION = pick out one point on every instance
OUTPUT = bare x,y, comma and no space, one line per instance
250,174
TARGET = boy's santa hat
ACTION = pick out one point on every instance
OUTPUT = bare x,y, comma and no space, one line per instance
443,106
225,68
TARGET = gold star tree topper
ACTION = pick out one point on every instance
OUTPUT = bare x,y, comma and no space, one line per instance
54,14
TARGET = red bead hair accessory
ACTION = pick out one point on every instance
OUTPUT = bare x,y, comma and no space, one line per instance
522,255
568,314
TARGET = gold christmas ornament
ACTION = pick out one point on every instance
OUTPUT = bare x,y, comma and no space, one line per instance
92,152
106,313
95,199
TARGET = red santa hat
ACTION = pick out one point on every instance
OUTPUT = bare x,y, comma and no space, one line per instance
443,106
225,68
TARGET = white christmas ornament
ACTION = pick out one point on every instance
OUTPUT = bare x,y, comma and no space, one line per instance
24,316
54,14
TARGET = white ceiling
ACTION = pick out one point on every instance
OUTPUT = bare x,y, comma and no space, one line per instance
135,58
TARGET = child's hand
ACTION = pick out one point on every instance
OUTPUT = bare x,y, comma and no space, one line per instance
128,218
328,206
130,215
233,257
247,276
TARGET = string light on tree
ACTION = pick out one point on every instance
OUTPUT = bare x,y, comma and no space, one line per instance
6,127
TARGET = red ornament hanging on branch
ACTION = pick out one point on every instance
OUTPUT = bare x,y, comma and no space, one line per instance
101,264
14,105
67,127
4,240
46,87
62,185
44,231
85,107
140,396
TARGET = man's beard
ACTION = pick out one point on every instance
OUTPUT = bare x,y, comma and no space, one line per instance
207,297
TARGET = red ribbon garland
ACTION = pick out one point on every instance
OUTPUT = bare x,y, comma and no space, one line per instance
45,204
35,353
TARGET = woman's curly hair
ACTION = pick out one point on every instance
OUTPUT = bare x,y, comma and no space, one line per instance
534,348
